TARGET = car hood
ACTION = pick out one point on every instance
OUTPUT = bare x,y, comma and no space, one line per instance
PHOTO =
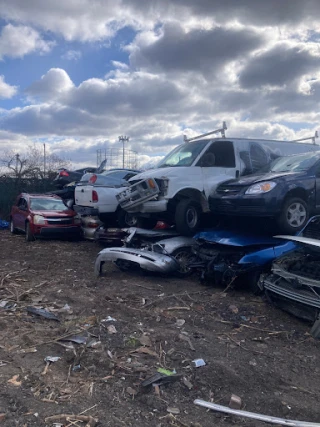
169,172
233,238
311,244
62,214
253,179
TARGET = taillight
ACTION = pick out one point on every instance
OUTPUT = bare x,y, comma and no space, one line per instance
64,173
95,197
93,179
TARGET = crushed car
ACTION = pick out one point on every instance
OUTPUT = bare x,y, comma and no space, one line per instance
226,257
161,251
294,281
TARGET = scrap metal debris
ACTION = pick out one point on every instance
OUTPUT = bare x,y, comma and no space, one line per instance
43,313
255,416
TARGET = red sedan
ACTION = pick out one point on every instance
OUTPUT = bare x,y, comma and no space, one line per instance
43,215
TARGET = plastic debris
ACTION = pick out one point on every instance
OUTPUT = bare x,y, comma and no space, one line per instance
199,362
7,305
43,313
160,379
111,329
4,224
52,359
235,402
166,371
76,368
255,416
108,319
187,383
174,411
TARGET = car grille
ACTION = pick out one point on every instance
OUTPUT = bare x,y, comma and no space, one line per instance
229,189
59,221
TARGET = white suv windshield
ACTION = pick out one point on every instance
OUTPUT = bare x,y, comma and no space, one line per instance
183,155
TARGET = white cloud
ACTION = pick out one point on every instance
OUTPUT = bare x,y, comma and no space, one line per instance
51,85
190,66
18,41
72,55
6,91
120,65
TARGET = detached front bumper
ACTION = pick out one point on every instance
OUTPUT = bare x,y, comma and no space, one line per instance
147,260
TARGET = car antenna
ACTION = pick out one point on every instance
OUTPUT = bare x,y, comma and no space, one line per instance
222,131
313,138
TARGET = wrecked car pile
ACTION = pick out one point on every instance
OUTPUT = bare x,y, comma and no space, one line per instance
294,282
283,268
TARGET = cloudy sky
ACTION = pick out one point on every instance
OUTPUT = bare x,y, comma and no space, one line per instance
77,74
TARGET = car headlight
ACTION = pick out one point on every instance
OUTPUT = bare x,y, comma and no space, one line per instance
263,187
38,219
77,219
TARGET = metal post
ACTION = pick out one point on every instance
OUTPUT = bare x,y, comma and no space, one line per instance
44,160
123,139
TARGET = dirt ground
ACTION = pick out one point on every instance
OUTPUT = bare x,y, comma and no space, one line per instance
250,348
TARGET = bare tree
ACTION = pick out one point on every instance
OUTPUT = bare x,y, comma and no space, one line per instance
32,163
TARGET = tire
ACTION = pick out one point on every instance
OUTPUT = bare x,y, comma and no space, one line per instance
148,223
183,257
126,219
294,216
13,230
187,217
29,235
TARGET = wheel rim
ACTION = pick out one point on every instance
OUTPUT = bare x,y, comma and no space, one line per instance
183,258
296,215
192,217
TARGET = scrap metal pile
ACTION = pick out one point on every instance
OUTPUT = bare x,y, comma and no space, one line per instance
284,268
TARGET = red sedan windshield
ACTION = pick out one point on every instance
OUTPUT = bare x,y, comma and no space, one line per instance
39,204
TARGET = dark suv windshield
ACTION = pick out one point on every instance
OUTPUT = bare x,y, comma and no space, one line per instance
298,163
183,155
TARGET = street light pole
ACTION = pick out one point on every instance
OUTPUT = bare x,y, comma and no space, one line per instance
123,139
44,160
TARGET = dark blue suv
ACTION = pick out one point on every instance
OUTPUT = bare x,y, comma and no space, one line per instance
288,190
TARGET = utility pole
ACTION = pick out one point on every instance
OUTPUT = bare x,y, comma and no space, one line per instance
44,160
123,139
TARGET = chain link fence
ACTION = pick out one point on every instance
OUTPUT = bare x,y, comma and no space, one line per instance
10,188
